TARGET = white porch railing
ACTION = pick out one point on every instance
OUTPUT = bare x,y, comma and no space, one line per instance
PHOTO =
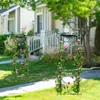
51,42
34,43
46,42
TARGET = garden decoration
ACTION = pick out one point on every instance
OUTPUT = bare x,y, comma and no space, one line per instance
22,66
77,60
16,48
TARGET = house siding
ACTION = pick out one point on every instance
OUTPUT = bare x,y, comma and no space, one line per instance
27,16
47,18
2,25
58,25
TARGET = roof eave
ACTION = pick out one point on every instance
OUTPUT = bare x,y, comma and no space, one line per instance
8,11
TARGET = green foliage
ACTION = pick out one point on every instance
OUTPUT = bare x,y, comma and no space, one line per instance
66,9
10,46
31,32
22,50
49,58
2,44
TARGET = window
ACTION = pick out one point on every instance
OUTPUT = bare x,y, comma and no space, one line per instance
39,23
11,26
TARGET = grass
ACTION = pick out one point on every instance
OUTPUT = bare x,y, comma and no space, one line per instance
37,71
3,58
90,90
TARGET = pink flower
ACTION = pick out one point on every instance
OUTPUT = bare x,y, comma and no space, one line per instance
69,55
74,57
57,51
78,48
79,40
61,41
67,46
21,50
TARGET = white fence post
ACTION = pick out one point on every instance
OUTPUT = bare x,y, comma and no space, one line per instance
42,35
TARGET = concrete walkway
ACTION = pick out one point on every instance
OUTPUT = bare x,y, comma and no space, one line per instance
31,87
33,58
45,84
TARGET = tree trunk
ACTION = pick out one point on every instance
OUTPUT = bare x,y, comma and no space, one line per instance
85,37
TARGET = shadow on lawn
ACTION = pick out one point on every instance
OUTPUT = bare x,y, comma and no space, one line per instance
38,71
6,98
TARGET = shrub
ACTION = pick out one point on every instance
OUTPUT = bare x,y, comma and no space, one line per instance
31,32
2,39
10,46
49,58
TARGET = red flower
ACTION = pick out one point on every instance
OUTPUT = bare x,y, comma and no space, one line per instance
68,83
58,54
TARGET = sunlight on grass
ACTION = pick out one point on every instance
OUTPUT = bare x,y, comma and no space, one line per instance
3,74
3,58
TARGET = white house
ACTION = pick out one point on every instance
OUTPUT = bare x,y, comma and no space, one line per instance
44,20
45,24
15,19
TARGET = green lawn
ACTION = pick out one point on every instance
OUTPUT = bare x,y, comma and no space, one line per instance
3,58
38,71
90,90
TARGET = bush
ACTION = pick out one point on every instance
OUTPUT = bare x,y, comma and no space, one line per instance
15,44
10,46
49,58
2,39
31,32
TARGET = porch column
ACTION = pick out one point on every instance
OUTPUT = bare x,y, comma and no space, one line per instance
5,30
45,19
16,20
50,21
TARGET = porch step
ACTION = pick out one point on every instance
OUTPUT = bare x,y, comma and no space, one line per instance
33,58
